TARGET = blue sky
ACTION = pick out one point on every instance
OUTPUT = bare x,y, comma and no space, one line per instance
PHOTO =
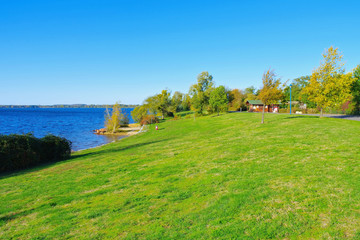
99,52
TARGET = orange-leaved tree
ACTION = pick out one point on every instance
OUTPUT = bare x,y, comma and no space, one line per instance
271,91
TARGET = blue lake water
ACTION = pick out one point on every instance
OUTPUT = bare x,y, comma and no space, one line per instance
75,124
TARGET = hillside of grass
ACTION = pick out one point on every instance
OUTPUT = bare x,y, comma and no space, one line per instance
213,178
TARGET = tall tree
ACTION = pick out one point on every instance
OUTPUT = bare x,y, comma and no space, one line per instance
218,99
329,86
113,119
164,102
186,102
237,99
270,92
200,92
152,104
139,113
297,93
355,90
176,102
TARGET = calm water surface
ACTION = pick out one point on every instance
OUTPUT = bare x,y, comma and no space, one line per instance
75,124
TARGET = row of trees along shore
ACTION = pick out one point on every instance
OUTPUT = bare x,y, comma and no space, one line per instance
329,88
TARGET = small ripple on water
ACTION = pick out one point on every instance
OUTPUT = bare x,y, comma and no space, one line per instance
73,124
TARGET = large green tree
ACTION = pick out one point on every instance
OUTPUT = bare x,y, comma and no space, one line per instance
355,90
297,93
297,86
329,85
152,104
271,91
200,92
218,100
186,102
139,113
176,102
164,102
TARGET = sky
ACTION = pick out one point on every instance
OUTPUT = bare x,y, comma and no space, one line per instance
100,52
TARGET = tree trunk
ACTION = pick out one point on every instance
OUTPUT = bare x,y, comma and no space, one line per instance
114,128
321,113
263,113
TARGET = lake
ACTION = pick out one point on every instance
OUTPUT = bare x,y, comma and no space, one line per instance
74,124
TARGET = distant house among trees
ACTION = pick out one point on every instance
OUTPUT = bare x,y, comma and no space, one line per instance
257,106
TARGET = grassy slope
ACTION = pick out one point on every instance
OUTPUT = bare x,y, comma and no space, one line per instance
216,177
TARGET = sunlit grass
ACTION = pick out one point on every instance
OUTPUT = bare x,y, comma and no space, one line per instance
214,177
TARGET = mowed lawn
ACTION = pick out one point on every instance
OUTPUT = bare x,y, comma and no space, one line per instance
226,177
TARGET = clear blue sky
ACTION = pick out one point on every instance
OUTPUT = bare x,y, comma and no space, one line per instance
74,51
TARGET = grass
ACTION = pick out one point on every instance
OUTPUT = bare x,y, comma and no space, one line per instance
226,177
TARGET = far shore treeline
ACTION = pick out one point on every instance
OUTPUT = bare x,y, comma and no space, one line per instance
329,89
69,106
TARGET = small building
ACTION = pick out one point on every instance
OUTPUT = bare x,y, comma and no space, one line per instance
257,106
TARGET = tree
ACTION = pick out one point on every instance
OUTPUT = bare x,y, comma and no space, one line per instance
250,90
250,94
237,99
113,119
200,92
355,90
139,113
297,93
164,102
329,86
152,104
176,102
218,99
186,102
301,83
270,92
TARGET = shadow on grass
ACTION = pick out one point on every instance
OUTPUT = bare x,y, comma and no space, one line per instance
118,149
345,116
14,215
29,169
236,111
72,158
301,116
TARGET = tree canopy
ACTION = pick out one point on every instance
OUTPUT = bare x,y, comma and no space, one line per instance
200,92
270,91
329,85
114,119
355,90
218,99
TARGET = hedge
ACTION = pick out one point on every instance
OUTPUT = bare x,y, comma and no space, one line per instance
23,151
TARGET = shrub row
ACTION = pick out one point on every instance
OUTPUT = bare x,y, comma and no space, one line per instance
23,151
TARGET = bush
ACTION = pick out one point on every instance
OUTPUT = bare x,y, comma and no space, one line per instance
312,111
124,121
23,151
55,148
149,119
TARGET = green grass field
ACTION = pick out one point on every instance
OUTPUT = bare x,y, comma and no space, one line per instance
226,177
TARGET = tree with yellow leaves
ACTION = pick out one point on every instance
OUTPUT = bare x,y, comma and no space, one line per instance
329,85
113,119
270,92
